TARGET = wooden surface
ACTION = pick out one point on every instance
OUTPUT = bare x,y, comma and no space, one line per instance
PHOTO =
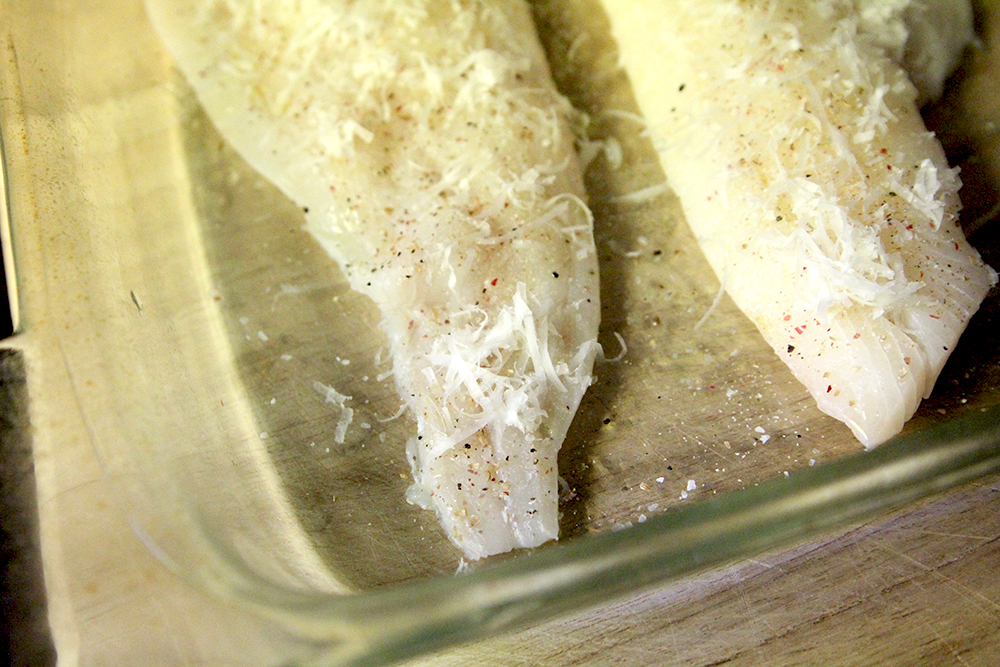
919,587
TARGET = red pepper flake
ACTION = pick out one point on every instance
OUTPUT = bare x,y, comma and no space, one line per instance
788,317
829,388
494,282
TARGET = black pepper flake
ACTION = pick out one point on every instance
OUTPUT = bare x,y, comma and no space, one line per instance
791,348
680,88
555,274
468,446
607,420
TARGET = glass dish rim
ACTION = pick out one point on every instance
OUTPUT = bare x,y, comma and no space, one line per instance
404,621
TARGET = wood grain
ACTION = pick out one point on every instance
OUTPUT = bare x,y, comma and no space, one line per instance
916,587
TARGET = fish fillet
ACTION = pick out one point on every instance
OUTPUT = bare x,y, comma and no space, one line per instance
926,37
436,165
825,207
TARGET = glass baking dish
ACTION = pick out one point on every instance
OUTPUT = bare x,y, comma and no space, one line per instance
176,318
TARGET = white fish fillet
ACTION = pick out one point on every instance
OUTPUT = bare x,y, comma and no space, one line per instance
926,37
826,208
435,160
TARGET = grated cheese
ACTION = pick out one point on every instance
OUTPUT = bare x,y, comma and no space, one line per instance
794,142
340,400
437,165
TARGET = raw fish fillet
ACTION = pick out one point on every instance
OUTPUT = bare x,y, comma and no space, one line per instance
436,164
826,208
926,37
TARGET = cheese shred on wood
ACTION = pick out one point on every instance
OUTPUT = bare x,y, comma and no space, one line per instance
826,208
436,164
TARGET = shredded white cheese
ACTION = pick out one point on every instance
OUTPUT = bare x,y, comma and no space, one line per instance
436,164
825,207
340,400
